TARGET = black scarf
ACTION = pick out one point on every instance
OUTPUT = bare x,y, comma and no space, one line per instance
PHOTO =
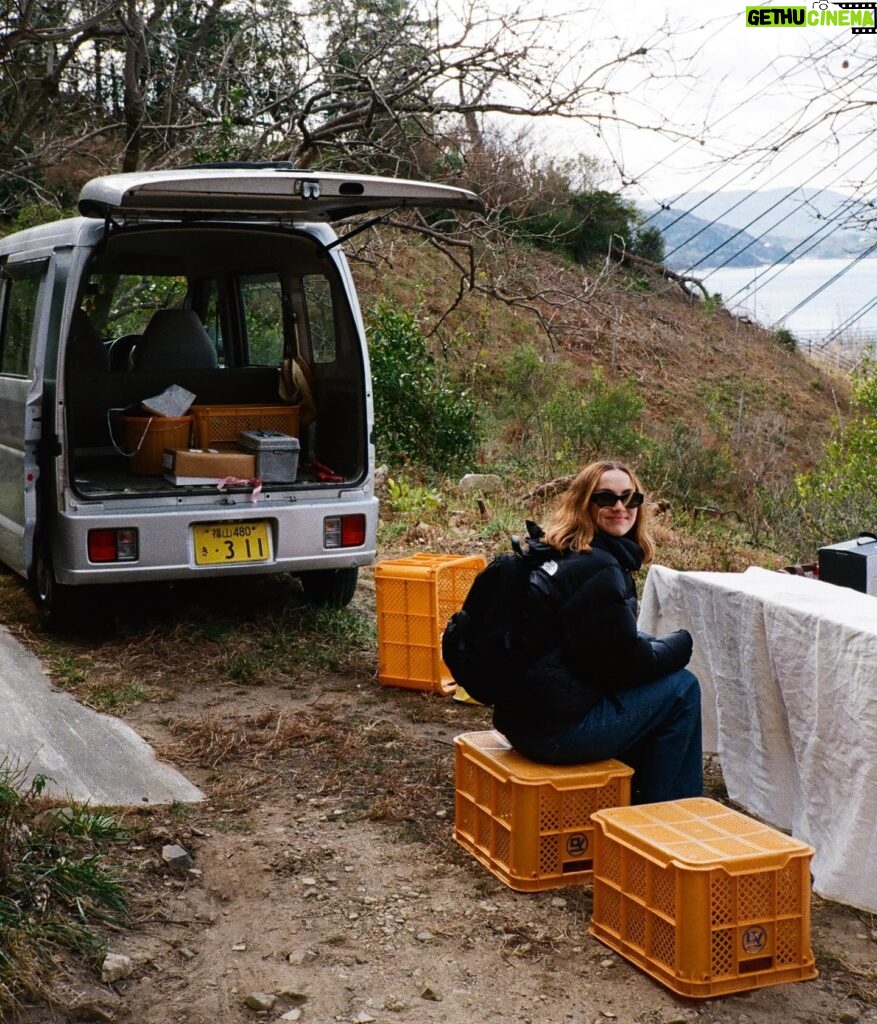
624,549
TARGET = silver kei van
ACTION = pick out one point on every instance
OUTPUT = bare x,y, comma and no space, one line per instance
228,287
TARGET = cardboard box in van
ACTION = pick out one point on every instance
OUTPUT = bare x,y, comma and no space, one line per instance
199,467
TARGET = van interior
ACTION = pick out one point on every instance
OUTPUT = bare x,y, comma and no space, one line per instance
252,321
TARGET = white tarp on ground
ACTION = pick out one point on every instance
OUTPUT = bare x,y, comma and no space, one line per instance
788,673
86,756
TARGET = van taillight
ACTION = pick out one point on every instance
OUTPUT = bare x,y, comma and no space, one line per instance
344,531
113,545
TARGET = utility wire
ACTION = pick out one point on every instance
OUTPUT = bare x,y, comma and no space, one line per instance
827,50
773,206
743,198
830,281
839,211
828,227
863,310
771,271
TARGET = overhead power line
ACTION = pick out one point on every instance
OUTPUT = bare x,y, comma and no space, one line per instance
769,272
863,310
847,204
756,146
829,282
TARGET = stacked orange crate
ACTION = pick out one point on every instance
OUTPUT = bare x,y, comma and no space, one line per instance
415,598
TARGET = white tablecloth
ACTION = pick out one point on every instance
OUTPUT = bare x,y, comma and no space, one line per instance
788,673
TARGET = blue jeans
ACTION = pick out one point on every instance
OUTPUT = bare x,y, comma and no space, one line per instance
653,728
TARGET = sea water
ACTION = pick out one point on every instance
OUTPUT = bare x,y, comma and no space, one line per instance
814,299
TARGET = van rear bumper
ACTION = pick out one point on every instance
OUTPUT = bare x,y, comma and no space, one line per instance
166,549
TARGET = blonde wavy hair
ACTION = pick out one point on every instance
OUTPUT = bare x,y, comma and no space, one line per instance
572,526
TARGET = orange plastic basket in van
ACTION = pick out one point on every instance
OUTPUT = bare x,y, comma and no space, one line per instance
218,426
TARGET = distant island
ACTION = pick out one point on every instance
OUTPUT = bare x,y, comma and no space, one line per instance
751,229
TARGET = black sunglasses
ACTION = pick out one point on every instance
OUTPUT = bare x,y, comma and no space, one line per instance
606,499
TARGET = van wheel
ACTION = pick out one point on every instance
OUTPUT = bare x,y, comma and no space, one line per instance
329,588
56,604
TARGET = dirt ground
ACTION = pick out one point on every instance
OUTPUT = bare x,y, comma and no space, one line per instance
326,887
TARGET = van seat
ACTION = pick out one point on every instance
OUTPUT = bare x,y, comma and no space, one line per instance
175,339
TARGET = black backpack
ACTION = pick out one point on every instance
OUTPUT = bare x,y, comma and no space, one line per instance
480,642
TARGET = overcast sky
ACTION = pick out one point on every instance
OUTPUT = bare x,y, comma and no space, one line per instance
743,90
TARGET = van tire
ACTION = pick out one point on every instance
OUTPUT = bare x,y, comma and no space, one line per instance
57,605
329,588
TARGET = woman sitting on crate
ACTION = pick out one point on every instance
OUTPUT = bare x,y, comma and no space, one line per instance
596,687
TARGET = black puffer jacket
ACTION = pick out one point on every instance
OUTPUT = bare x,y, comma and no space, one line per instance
581,640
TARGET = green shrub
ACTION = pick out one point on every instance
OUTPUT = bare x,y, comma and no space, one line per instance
583,224
685,468
785,339
422,415
648,242
55,891
412,499
837,499
562,424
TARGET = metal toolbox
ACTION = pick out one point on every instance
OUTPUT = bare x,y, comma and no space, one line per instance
276,454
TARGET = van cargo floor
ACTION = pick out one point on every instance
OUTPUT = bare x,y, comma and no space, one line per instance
106,483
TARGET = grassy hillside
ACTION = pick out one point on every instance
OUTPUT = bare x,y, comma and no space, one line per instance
734,411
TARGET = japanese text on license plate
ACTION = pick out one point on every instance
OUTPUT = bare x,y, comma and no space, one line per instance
232,543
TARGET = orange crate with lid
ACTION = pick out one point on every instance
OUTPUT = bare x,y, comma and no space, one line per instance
703,898
528,823
415,597
218,426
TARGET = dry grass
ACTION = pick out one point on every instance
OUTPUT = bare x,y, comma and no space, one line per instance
213,740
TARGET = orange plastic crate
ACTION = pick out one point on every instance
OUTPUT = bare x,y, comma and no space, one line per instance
703,898
415,598
218,426
528,823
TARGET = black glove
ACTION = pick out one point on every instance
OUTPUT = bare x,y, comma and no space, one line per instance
678,645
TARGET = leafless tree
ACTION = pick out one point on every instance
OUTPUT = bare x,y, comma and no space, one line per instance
378,84
395,87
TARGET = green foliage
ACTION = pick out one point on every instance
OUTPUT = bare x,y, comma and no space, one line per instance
54,888
412,499
785,339
562,424
712,303
685,468
584,224
124,303
422,415
648,242
838,498
559,205
31,215
116,699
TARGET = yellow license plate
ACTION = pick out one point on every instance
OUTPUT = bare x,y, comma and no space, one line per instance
232,543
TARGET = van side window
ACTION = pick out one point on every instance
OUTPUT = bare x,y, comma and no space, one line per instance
261,298
20,295
123,304
317,293
212,319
